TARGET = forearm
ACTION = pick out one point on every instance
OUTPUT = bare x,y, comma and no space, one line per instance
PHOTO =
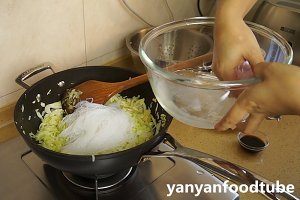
233,9
293,94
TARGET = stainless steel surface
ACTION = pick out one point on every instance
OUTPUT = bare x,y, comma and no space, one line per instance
102,185
16,179
132,42
283,17
29,73
192,43
182,44
223,168
28,177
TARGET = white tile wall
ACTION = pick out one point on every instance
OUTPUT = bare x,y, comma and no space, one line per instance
35,31
72,33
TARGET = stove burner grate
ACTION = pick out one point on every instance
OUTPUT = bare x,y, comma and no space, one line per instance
102,183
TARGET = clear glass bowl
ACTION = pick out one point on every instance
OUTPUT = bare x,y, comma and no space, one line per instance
195,96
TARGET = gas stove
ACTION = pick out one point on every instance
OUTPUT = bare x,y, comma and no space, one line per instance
24,175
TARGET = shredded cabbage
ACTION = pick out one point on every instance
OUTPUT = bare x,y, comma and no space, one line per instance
137,110
144,124
51,127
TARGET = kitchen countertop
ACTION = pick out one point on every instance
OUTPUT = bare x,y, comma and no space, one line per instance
279,161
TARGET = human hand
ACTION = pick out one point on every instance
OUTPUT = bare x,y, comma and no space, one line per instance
234,43
277,93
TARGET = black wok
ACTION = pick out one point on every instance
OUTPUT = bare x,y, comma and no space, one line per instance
50,90
78,164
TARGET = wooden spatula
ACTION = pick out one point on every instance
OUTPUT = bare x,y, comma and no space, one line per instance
100,92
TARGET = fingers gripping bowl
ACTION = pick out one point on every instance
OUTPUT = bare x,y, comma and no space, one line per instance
195,96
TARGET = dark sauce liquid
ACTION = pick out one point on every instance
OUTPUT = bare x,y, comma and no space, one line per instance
252,141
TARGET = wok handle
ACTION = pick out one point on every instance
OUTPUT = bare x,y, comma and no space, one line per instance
30,72
218,166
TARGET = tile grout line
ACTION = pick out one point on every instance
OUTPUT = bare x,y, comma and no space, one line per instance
84,33
7,123
123,47
86,61
11,92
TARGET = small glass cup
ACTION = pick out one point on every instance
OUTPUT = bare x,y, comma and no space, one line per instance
253,142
